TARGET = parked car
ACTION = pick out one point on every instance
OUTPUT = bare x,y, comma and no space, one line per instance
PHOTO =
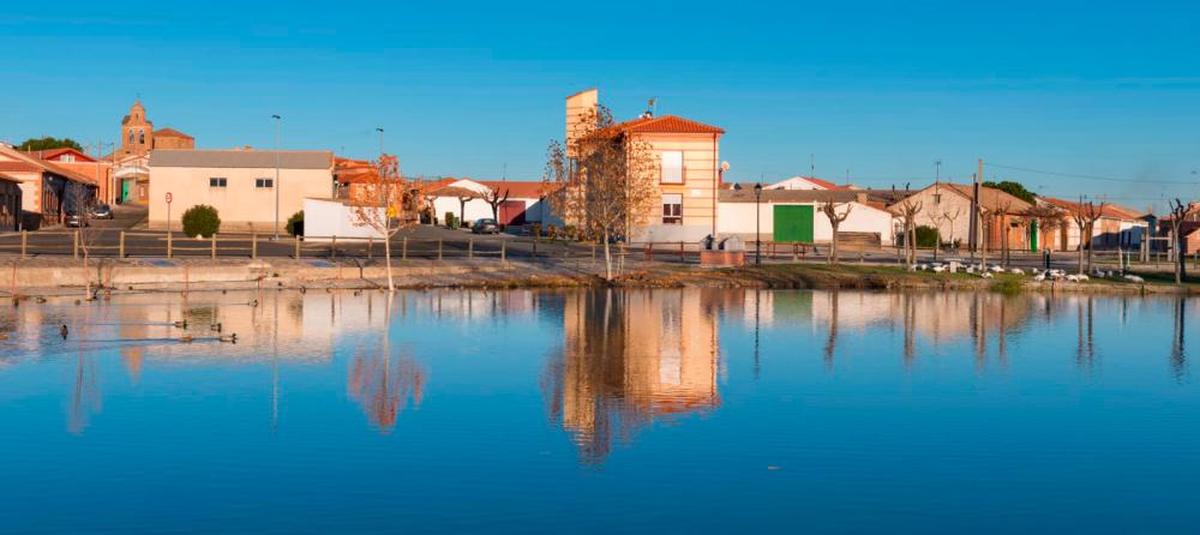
75,220
102,211
485,226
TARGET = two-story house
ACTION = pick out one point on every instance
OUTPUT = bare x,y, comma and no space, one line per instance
687,156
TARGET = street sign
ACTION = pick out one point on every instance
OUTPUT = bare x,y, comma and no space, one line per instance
169,197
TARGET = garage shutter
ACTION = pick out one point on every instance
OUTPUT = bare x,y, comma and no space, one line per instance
794,224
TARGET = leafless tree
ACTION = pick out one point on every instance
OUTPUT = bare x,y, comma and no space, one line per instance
1001,214
1179,213
81,201
495,197
603,181
908,209
835,221
1085,216
952,218
382,204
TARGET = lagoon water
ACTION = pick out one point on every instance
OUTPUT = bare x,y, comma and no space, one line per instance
667,411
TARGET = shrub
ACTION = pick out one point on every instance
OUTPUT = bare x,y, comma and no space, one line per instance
927,236
201,220
295,224
451,220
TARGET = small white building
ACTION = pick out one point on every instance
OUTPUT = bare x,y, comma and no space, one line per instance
795,216
325,219
525,202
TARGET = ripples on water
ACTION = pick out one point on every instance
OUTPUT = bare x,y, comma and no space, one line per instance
665,410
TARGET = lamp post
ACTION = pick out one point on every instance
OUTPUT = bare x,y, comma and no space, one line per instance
278,126
757,224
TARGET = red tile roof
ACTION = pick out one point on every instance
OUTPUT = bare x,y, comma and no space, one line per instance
51,154
667,124
171,132
516,189
19,167
1109,210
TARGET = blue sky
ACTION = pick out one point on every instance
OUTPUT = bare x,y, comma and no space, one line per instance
881,89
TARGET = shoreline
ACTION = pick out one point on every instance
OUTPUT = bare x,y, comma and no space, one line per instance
34,278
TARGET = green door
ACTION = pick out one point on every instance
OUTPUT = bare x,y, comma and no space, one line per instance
794,224
124,191
1033,236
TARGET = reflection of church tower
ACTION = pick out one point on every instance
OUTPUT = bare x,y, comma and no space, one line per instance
137,132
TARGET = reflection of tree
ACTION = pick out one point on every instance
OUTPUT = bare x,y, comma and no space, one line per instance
85,395
1178,354
1085,351
384,386
831,340
627,358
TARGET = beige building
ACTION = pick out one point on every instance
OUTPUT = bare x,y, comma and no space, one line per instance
947,207
689,169
240,184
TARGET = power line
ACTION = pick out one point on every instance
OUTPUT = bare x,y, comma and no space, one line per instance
1093,177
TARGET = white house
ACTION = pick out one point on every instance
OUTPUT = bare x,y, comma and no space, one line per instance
524,203
325,219
795,216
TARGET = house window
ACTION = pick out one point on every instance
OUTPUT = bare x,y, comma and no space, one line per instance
937,198
672,209
217,182
264,182
672,167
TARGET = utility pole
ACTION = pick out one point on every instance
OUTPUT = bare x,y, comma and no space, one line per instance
278,126
975,223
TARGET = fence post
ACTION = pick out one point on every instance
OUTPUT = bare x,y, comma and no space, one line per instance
170,252
24,243
681,257
650,251
254,246
213,245
504,251
333,248
404,248
535,242
121,245
296,239
75,244
471,248
370,247
439,248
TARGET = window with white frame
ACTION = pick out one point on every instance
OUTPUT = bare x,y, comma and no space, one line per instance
264,182
217,182
672,167
672,209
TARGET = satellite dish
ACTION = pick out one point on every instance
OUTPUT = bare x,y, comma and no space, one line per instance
724,166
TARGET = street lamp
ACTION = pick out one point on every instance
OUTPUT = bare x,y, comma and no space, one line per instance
757,224
278,125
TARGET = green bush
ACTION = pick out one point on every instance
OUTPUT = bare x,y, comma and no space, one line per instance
201,220
295,224
927,236
451,220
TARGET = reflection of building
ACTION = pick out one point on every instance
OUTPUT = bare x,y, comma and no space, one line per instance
628,357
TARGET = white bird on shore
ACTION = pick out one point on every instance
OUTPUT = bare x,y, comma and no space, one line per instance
1040,277
996,268
986,275
1017,271
939,269
1134,278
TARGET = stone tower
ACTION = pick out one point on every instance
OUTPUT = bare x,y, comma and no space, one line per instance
137,133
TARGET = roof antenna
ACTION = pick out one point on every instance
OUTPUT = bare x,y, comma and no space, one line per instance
653,104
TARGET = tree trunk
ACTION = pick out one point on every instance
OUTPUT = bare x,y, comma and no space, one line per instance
462,212
607,259
1081,228
833,249
387,253
1090,231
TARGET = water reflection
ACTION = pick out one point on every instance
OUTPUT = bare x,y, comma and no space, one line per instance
628,358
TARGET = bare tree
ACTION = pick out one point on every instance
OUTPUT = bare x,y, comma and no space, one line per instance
1179,212
1001,213
909,208
383,203
603,181
495,197
1085,216
952,218
464,196
835,221
81,201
